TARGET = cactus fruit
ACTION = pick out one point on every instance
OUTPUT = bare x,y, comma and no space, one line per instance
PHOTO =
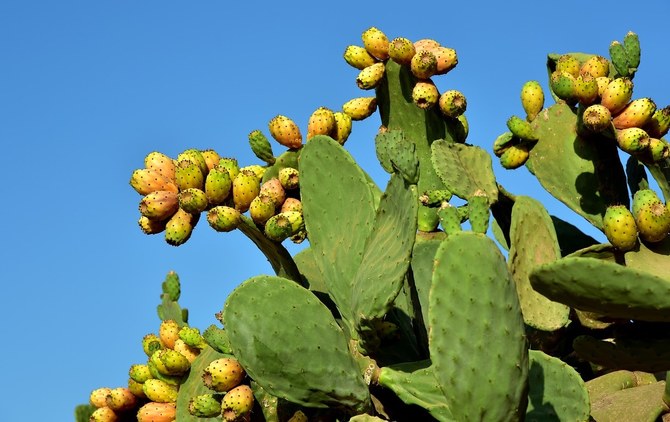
205,405
368,78
196,157
139,372
514,156
274,189
401,51
563,85
619,59
262,208
321,121
261,147
620,228
136,388
246,186
632,140
586,89
658,150
521,129
189,352
121,400
659,123
284,225
211,158
289,178
98,397
160,391
285,131
150,344
230,165
193,200
223,219
149,226
596,66
597,118
218,184
452,103
104,414
532,99
291,204
423,64
358,57
189,175
342,128
602,82
617,94
237,403
568,63
174,362
168,333
157,412
192,337
376,43
256,169
447,59
161,163
425,94
636,114
503,142
651,216
360,108
179,227
426,44
145,181
223,374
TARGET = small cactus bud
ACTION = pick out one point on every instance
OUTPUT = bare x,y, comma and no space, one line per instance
157,412
597,118
230,165
342,128
617,95
150,344
168,332
237,403
223,219
423,64
121,400
360,108
532,99
103,414
189,175
217,186
161,163
514,156
376,43
596,66
285,131
211,158
160,391
446,59
205,405
401,51
260,145
479,212
262,208
425,94
453,103
145,181
179,227
98,397
246,186
358,57
321,122
289,178
637,113
223,374
658,150
193,200
632,140
619,227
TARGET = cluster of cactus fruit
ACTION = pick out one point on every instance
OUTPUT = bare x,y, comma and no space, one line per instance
396,310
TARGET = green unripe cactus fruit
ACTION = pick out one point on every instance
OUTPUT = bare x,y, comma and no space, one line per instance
161,163
139,372
617,95
586,89
450,218
619,227
446,58
521,129
205,405
514,156
376,43
289,178
211,158
217,186
368,78
175,363
145,181
342,128
179,227
453,103
637,113
425,94
260,145
230,165
659,123
274,189
478,212
98,397
401,51
503,142
285,131
321,122
596,66
223,219
157,412
121,400
423,64
358,57
149,226
563,85
262,208
223,374
597,118
237,403
159,205
192,337
150,344
532,99
104,414
284,225
360,108
568,63
168,332
193,200
632,140
189,175
246,186
160,392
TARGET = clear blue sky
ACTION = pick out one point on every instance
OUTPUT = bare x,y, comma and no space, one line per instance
88,88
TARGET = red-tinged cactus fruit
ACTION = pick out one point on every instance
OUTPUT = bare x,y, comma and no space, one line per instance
189,175
139,372
136,388
104,414
237,404
160,391
223,219
149,226
151,343
211,158
157,412
617,95
532,99
223,374
121,400
193,200
291,204
342,128
568,63
637,113
376,43
423,64
653,222
370,77
246,186
230,165
321,121
452,103
98,397
195,156
401,51
285,131
289,178
620,228
597,118
358,57
284,225
205,405
603,82
514,156
218,185
168,333
632,140
447,59
262,208
256,169
188,351
596,66
586,89
145,181
159,205
658,125
175,363
274,189
161,163
180,227
426,44
425,94
563,85
360,108
261,147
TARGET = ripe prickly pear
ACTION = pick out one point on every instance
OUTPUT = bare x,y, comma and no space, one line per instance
620,228
217,186
586,89
447,59
246,187
597,118
159,205
370,77
196,157
104,414
189,352
168,333
659,123
174,362
230,165
259,171
651,216
157,412
161,163
223,219
179,227
205,405
145,181
136,388
596,66
321,122
423,64
262,208
189,175
223,374
284,225
632,140
425,94
376,43
160,391
285,131
211,158
342,128
619,59
150,344
358,57
401,51
121,400
637,113
289,178
568,63
261,147
643,198
193,200
360,108
98,397
139,372
532,99
426,44
237,403
274,189
452,103
514,156
617,94
291,204
563,85
521,129
149,226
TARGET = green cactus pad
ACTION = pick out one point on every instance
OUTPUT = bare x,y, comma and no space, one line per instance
534,243
194,386
616,381
464,169
651,258
586,175
423,258
170,309
639,404
337,231
604,287
290,344
395,153
633,354
570,238
415,383
661,173
556,391
477,341
83,412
